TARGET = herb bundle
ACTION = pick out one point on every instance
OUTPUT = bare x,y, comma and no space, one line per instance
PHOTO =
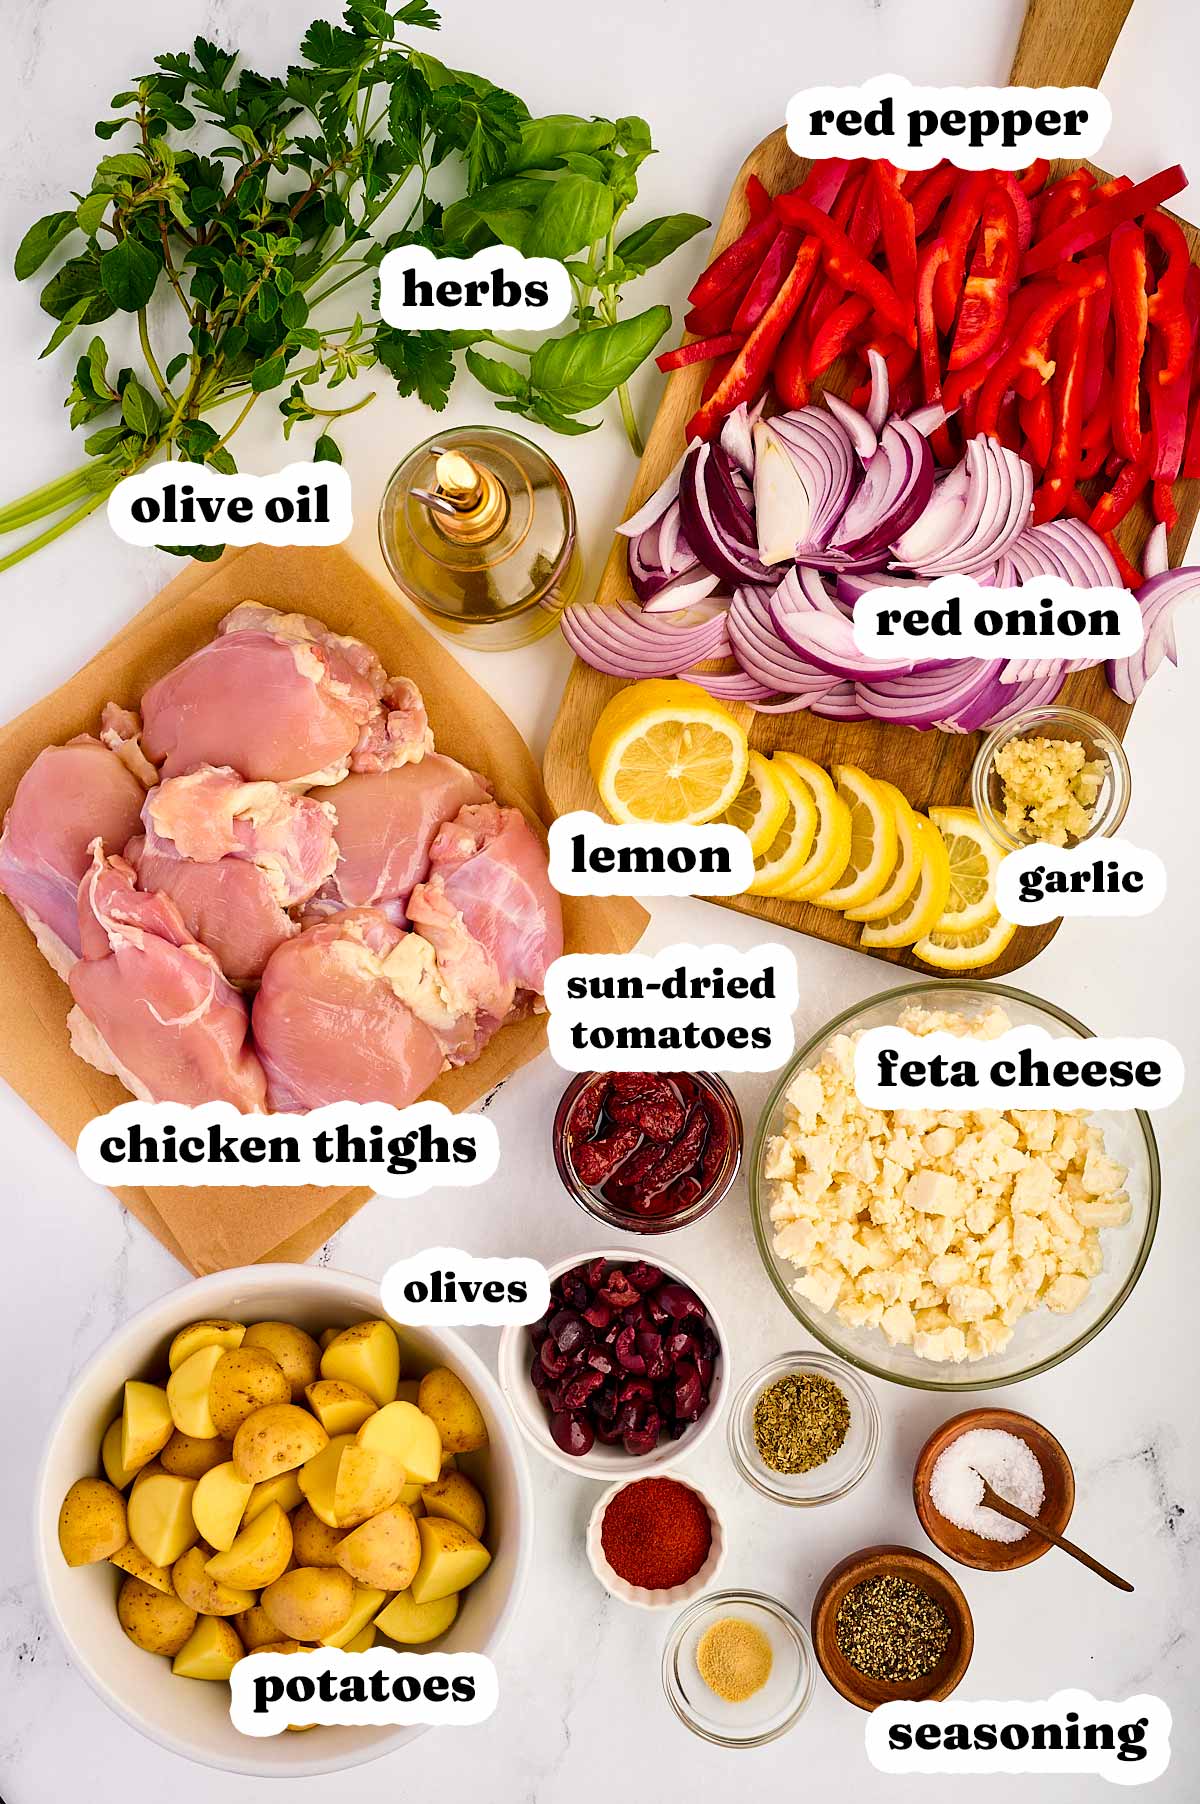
252,200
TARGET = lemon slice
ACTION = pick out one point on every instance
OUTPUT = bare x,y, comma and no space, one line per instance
830,851
665,751
965,951
872,840
760,804
793,839
974,861
907,868
919,914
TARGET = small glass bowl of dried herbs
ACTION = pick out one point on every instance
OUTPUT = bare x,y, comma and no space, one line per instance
804,1429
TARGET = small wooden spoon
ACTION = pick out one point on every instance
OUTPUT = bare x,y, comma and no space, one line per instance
1003,1507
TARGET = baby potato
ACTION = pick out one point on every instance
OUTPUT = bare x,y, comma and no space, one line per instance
366,1355
146,1423
411,1623
259,1554
255,1628
298,1354
160,1517
110,1457
445,1398
188,1457
153,1621
283,1490
197,1588
276,1439
243,1380
326,1335
211,1651
407,1436
458,1500
339,1408
92,1522
131,1559
314,1542
366,1482
362,1642
451,1559
384,1552
189,1340
310,1602
188,1394
318,1476
218,1505
368,1601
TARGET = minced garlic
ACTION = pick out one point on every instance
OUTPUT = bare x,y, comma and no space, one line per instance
1050,788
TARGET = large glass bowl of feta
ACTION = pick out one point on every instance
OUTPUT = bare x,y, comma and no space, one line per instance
948,1249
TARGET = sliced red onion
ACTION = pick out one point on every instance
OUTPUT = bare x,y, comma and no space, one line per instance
978,511
881,391
737,435
1037,692
926,698
730,686
863,435
827,640
895,491
766,657
682,592
622,641
655,506
714,517
927,419
1154,558
1158,598
803,476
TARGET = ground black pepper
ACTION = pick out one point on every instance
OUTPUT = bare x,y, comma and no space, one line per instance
800,1421
890,1630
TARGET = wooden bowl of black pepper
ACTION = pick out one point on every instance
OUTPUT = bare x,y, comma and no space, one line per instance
886,1611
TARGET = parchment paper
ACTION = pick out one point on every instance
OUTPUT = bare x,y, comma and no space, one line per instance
207,1228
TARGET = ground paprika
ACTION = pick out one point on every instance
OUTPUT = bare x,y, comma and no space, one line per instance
656,1534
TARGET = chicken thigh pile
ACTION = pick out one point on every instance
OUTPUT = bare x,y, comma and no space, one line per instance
269,889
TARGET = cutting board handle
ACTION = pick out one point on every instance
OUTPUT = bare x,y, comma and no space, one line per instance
1066,45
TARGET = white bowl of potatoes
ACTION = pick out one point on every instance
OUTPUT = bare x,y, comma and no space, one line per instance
303,1535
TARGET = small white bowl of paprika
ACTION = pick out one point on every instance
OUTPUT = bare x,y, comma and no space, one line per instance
655,1542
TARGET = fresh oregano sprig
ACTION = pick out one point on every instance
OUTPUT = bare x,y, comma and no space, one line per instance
253,200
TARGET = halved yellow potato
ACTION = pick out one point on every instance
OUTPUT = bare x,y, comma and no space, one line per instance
407,1436
188,1390
276,1439
339,1408
188,1457
318,1476
132,1560
314,1542
368,1602
411,1623
283,1490
450,1559
196,1587
297,1353
363,1641
92,1522
366,1482
189,1340
457,1499
310,1602
444,1397
218,1505
110,1456
152,1620
255,1628
161,1523
243,1380
384,1552
366,1355
327,1335
146,1423
211,1651
259,1554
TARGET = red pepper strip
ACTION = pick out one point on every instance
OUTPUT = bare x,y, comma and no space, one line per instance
791,362
1127,267
767,282
1129,573
715,377
1164,503
1064,199
850,266
1065,399
1098,221
1097,357
984,306
932,258
700,351
899,230
1036,419
757,198
930,197
1033,179
718,316
747,375
1024,212
835,335
1112,508
1120,184
1008,426
740,258
828,292
958,228
1166,305
961,383
1169,400
1024,350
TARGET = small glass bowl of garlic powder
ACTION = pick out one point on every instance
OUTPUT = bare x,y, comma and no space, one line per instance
1050,776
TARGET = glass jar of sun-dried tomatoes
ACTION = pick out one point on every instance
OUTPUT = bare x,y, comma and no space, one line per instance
647,1151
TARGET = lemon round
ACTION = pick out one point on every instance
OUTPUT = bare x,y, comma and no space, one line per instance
664,751
922,909
830,851
974,861
965,951
760,805
907,868
873,839
789,849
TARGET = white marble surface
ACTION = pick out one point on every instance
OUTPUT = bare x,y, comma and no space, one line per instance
581,1716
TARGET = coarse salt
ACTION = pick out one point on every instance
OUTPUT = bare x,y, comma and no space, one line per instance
1009,1465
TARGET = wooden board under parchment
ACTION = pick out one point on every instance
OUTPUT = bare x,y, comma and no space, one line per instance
1061,45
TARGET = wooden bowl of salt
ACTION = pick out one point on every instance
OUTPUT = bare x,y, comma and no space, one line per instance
964,1544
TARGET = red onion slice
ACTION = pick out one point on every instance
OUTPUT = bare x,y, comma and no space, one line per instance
1158,598
682,592
621,641
881,395
655,506
862,434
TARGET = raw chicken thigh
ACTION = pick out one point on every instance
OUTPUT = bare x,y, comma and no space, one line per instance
233,857
151,1006
70,795
386,822
279,698
330,1025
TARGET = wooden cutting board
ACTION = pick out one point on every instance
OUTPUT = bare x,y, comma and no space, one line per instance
1061,45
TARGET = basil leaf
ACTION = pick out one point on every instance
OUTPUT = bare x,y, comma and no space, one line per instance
128,272
658,239
497,377
633,135
573,215
582,369
139,409
474,222
541,141
39,241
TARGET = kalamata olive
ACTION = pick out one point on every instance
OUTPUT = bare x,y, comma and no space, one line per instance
568,1330
575,1292
679,1301
644,1277
572,1433
705,1368
595,1273
643,1439
597,1314
618,1291
537,1373
554,1362
600,1360
689,1392
577,1392
627,1353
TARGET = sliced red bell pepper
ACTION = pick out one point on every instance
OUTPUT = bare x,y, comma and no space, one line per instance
1024,351
1127,269
835,335
1102,218
750,370
1120,184
1004,178
1098,349
958,228
1036,418
899,230
1130,575
1163,502
768,280
993,272
849,266
1166,309
715,377
1112,508
932,195
699,351
1169,400
1033,179
1064,400
1064,199
1008,424
741,258
932,259
718,316
791,363
757,198
847,212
